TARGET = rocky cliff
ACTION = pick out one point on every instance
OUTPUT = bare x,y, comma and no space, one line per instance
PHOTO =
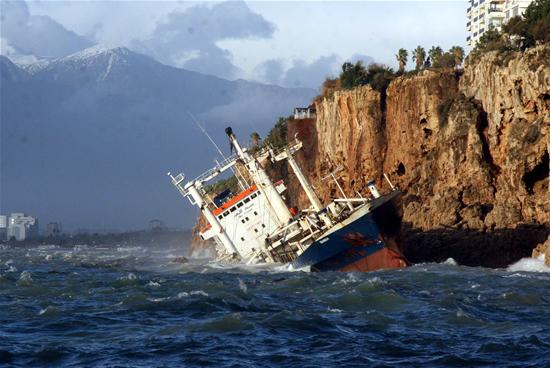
468,148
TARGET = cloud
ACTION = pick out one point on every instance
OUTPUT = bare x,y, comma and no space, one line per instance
301,73
196,32
366,59
37,35
271,71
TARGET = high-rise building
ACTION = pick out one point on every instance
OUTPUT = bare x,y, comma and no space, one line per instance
486,14
53,229
514,8
3,227
482,15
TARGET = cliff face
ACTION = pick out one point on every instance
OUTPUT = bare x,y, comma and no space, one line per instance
469,149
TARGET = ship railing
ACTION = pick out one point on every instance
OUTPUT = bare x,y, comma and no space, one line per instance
292,147
218,169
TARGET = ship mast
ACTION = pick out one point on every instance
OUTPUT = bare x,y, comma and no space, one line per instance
287,153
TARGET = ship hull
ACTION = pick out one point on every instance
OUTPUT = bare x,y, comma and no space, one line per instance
366,244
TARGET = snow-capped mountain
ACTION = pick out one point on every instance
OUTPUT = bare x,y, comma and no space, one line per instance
87,138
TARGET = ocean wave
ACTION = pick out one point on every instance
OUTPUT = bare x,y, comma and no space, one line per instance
25,279
529,265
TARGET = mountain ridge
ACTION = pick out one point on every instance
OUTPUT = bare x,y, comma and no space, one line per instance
112,122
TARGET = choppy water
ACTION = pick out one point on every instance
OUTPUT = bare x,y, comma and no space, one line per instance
88,306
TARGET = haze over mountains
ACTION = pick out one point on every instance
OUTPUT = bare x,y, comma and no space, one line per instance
87,139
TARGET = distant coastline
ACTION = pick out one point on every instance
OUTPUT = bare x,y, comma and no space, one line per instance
157,238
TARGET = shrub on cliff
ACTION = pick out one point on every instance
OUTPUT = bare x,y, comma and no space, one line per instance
330,85
492,40
378,76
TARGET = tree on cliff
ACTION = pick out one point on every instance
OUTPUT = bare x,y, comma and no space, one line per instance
353,75
401,57
445,60
435,54
277,136
533,27
419,57
458,55
490,40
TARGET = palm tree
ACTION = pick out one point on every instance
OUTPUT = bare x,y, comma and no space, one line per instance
401,57
419,56
255,139
458,54
435,54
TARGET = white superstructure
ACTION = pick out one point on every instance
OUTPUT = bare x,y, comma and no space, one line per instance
256,224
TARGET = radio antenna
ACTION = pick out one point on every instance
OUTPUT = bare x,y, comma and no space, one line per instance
206,134
219,150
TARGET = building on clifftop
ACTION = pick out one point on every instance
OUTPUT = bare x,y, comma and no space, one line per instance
304,112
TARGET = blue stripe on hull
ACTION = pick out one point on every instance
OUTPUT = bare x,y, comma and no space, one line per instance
345,246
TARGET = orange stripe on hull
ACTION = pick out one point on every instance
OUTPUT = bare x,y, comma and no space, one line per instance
385,258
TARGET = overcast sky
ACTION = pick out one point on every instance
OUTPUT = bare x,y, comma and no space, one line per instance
291,43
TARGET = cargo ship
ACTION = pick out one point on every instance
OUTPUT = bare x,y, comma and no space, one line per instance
255,225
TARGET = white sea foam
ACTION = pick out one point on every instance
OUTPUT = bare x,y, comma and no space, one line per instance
450,262
529,265
130,249
153,284
25,278
289,268
157,300
198,292
130,276
48,310
242,286
47,247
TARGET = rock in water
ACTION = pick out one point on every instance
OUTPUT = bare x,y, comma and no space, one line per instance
543,249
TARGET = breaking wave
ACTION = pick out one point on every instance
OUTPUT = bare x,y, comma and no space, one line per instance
529,265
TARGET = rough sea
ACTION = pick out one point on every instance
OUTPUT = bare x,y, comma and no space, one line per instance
90,306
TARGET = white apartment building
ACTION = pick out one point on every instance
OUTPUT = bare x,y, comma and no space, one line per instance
513,8
21,226
485,14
